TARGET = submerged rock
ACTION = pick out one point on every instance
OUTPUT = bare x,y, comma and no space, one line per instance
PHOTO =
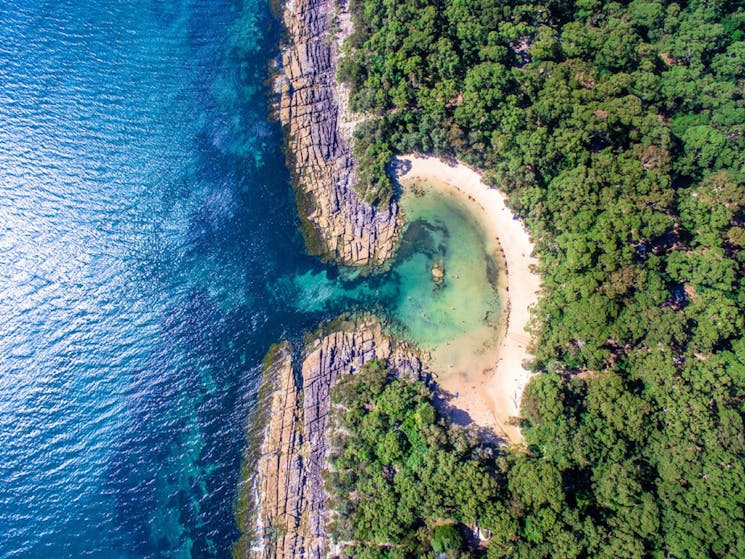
438,271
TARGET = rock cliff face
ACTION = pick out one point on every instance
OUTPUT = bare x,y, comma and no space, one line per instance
337,224
292,510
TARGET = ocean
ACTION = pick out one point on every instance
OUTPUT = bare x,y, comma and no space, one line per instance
149,256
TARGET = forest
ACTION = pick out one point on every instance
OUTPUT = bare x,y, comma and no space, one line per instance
403,479
617,131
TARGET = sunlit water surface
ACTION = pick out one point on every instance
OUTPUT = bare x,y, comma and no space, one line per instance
146,267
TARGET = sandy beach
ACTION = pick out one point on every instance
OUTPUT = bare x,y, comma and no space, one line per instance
492,395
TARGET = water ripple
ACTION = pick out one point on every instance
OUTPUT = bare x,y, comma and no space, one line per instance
128,310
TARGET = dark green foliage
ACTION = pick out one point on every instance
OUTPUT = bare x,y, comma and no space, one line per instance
373,154
401,476
446,537
618,131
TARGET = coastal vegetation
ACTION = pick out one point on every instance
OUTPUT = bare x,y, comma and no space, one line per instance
373,181
405,482
617,131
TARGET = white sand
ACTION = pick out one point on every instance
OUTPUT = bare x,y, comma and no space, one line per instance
492,397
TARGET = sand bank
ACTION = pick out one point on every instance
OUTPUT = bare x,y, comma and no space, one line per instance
492,395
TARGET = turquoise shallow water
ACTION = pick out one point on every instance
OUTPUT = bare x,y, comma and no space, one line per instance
148,258
440,228
443,229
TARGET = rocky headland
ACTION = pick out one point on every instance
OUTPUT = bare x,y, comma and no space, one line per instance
337,224
290,513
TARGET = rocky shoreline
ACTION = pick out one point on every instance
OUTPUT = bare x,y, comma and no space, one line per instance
289,501
284,512
337,224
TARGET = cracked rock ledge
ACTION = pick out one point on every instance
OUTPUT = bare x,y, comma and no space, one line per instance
337,224
290,513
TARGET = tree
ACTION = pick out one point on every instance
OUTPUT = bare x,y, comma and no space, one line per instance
446,537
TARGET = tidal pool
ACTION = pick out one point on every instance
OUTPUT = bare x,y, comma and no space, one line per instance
456,319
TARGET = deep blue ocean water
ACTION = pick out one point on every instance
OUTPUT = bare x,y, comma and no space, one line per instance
145,218
149,255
